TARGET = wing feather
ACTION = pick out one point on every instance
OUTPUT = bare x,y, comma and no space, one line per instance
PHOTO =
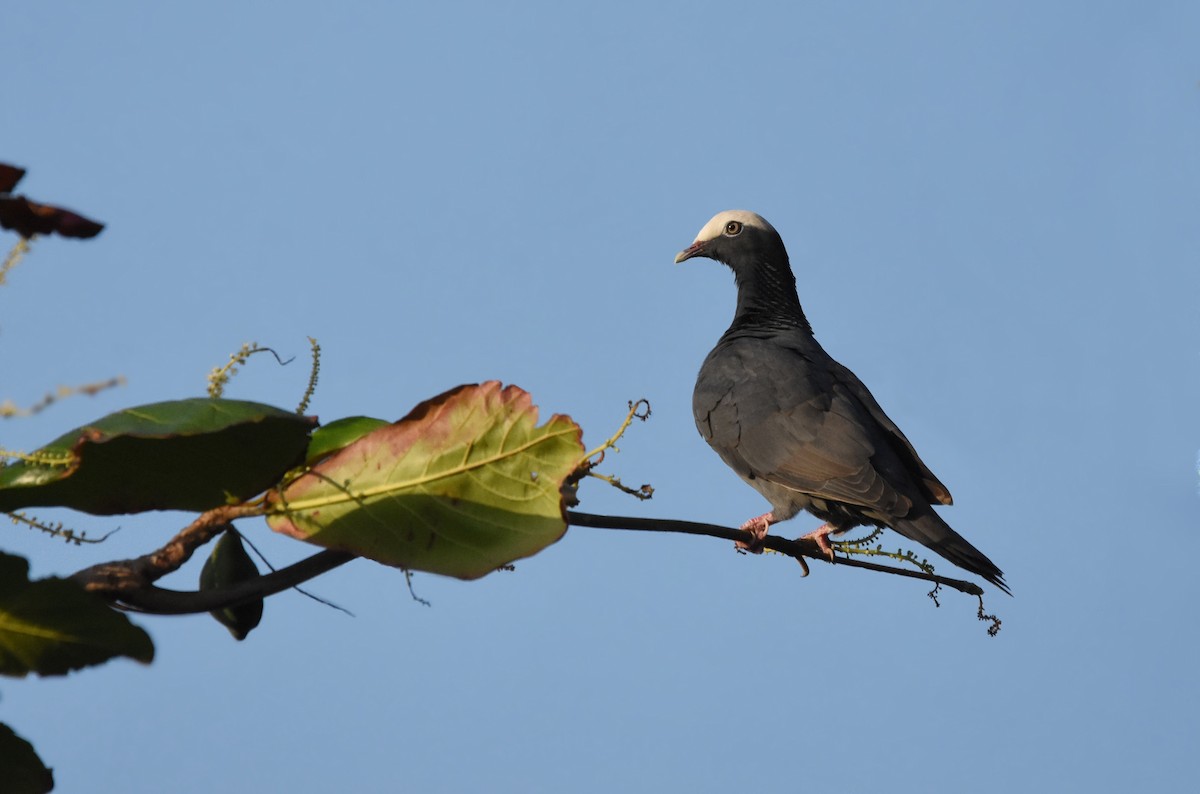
795,420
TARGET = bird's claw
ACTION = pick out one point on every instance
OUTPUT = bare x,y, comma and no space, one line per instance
757,527
820,536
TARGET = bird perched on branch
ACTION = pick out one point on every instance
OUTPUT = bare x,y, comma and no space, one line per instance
797,425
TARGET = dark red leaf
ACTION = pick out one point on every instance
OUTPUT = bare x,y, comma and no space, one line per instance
28,218
10,175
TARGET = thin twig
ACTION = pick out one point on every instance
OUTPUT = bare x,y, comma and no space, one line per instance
801,547
19,249
298,589
638,409
9,409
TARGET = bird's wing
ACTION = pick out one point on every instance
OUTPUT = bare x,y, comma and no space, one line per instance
931,487
773,413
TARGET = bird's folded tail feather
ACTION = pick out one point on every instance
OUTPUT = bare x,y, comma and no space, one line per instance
931,531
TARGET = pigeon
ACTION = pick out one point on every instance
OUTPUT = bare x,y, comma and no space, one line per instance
798,426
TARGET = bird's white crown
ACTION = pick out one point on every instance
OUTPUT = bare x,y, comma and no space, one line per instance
716,227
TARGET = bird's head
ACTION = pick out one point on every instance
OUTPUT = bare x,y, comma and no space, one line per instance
735,236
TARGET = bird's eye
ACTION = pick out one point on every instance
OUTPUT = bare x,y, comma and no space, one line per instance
733,229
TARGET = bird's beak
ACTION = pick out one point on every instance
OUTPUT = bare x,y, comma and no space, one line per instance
695,249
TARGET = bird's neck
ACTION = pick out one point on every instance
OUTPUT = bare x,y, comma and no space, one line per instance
767,300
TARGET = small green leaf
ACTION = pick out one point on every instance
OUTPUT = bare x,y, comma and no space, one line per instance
339,433
53,626
180,455
20,768
227,565
462,485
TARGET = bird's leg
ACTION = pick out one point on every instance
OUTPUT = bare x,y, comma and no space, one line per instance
758,528
820,536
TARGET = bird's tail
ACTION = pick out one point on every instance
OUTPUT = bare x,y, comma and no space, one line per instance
930,530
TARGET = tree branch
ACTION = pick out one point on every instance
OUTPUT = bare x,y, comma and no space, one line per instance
800,547
130,583
109,578
161,601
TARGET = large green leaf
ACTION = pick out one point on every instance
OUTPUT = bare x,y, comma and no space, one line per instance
180,455
54,626
20,768
462,485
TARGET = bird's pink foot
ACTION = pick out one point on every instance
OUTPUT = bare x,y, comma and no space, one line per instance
820,536
758,528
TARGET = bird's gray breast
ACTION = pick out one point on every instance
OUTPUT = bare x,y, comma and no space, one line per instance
744,387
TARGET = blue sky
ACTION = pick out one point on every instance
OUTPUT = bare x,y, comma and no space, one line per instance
992,212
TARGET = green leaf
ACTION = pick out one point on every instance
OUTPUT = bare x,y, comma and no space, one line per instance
339,433
462,485
227,565
20,768
180,455
53,626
